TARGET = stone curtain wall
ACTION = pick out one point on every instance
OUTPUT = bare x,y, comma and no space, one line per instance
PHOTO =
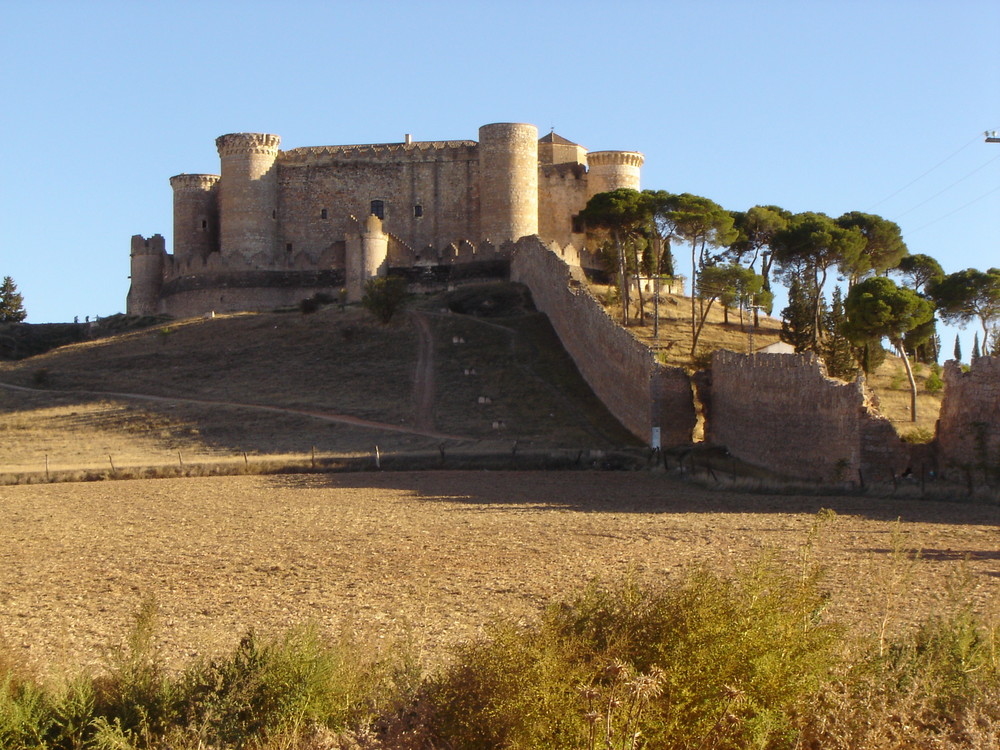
623,372
968,432
440,178
781,412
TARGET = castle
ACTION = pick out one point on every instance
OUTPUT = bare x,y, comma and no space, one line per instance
278,226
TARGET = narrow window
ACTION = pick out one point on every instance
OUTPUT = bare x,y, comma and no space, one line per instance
378,208
418,211
323,214
274,214
288,247
204,224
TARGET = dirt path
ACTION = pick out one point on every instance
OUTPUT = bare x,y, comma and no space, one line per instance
423,382
324,416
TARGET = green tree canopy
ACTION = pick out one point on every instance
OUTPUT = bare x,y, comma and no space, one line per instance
968,294
808,248
11,302
755,231
878,308
920,271
704,224
883,247
622,213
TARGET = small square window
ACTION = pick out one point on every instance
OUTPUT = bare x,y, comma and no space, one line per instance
323,214
378,208
288,247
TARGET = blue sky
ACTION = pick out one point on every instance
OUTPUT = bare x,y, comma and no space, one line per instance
875,106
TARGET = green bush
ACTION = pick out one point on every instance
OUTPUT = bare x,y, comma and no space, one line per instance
712,662
384,297
709,662
934,383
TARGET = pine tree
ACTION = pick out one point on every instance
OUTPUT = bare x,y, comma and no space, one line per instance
958,349
837,352
11,303
797,320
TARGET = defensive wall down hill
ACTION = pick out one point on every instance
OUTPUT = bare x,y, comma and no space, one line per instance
968,430
782,412
643,394
777,411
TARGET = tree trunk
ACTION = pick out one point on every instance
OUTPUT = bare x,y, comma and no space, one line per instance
622,279
638,285
694,323
656,289
913,383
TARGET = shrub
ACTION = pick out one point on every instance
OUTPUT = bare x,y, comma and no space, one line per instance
934,383
918,435
384,297
711,662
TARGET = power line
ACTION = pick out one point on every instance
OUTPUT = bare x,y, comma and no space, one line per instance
945,190
917,179
952,213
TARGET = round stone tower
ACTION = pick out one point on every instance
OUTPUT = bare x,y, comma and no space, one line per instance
610,170
196,215
508,181
147,258
248,201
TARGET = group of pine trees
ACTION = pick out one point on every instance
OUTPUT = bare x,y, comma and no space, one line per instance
736,255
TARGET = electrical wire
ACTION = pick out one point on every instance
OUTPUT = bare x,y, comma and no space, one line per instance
917,179
952,213
944,190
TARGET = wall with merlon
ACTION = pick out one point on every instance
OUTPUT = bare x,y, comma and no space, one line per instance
622,371
968,432
782,412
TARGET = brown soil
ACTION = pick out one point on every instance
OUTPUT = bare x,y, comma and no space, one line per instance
434,556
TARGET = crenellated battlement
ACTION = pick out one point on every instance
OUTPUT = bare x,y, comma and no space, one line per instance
608,158
234,144
186,181
416,151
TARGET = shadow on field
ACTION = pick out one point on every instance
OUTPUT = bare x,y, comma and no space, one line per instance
631,492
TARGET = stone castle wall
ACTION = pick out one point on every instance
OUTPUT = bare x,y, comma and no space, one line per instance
782,412
429,193
562,194
303,210
640,392
968,432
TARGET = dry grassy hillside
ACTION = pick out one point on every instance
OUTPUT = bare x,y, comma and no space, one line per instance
336,382
673,344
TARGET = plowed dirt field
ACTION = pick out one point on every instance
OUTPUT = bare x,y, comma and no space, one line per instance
434,556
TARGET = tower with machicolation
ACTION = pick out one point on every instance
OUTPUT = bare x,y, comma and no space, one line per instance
277,226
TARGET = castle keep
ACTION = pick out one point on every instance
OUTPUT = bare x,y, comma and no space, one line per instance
278,226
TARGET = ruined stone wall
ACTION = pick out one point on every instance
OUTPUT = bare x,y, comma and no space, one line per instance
641,393
782,412
968,432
